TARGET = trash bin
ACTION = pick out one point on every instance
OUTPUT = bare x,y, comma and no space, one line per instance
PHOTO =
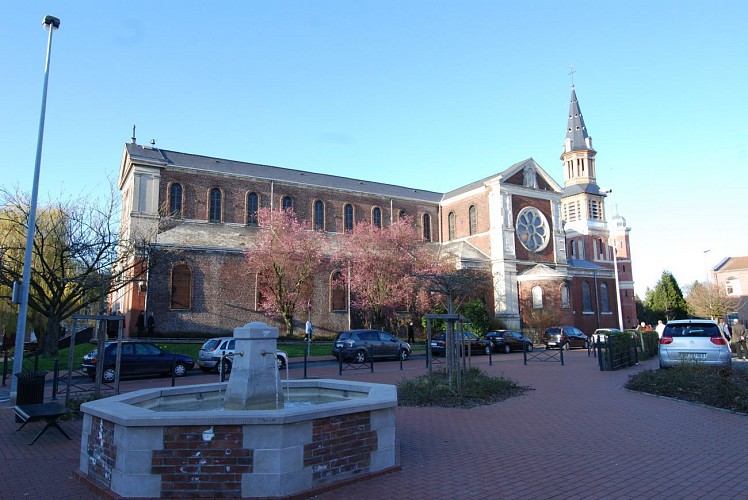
30,388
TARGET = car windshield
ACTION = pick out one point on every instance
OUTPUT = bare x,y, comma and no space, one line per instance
344,335
692,330
553,331
210,345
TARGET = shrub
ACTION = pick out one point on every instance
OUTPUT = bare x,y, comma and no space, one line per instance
713,386
478,388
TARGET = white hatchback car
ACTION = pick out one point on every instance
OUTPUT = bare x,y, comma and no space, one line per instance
214,349
695,341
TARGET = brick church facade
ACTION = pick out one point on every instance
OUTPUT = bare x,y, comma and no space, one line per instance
545,246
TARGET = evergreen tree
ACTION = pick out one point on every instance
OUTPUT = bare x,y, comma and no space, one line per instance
666,300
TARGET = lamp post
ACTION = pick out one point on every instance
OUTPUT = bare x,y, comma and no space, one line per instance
615,268
706,266
50,23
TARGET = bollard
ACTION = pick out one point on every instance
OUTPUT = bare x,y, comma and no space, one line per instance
55,378
173,375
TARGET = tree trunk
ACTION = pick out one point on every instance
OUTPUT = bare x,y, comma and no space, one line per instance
51,335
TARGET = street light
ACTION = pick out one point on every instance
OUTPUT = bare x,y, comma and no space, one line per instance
50,23
706,266
615,268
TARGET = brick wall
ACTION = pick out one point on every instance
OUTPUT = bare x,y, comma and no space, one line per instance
202,462
340,445
101,451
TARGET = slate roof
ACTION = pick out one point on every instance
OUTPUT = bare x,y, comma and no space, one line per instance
575,129
166,159
585,264
732,264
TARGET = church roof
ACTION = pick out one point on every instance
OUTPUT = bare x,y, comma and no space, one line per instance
576,131
585,264
581,188
166,158
508,172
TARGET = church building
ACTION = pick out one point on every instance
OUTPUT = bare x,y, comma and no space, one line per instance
547,247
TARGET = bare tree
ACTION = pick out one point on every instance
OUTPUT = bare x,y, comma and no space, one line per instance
78,257
710,300
539,320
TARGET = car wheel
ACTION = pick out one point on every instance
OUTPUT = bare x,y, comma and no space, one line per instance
109,375
359,357
180,369
281,362
530,347
404,354
507,349
567,346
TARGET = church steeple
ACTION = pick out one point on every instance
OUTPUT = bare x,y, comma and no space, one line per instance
577,138
578,155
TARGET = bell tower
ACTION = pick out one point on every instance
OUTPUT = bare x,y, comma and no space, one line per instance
583,201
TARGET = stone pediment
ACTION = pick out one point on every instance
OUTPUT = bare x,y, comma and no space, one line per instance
541,272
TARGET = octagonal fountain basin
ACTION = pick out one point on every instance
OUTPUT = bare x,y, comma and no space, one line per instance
184,441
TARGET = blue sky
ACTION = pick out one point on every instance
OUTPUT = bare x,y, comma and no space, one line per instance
429,94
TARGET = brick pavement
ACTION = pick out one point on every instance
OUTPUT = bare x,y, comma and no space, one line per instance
578,434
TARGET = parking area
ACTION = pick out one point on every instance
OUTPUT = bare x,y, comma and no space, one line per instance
577,434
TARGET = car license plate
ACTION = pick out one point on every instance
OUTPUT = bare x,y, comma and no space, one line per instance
693,355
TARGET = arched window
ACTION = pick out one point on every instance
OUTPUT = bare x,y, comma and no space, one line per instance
564,297
572,248
286,202
253,206
601,248
175,200
319,216
451,226
537,297
376,217
604,300
337,291
348,217
586,297
181,287
473,220
214,214
426,227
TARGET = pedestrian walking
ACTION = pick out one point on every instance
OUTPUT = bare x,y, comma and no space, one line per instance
140,323
738,339
411,333
151,324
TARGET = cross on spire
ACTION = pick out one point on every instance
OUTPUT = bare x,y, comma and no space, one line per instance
571,73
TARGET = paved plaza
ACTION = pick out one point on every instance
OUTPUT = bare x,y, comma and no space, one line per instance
577,434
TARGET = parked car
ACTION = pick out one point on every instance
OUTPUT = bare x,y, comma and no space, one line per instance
601,334
358,344
472,343
565,337
210,354
137,358
693,340
507,341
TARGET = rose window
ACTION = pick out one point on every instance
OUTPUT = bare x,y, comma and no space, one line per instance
532,229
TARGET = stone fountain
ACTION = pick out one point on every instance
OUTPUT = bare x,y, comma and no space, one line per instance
255,436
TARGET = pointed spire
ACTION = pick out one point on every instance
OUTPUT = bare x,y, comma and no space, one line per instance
576,132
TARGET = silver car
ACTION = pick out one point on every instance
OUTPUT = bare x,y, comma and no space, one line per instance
223,347
694,340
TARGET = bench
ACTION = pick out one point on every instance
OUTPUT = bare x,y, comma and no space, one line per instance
49,412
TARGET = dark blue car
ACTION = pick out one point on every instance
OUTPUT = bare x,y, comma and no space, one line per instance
138,358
